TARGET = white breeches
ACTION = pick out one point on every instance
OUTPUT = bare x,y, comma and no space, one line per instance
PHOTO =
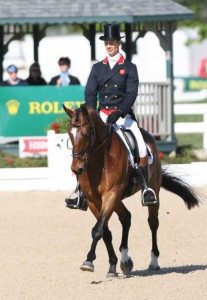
129,123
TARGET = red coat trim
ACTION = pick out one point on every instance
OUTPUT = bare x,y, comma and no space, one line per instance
107,111
120,61
105,61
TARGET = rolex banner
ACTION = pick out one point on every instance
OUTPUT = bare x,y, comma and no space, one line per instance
28,111
193,84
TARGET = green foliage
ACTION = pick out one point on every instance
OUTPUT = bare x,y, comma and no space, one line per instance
199,22
59,126
8,160
184,155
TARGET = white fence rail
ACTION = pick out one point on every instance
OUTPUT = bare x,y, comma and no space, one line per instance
192,127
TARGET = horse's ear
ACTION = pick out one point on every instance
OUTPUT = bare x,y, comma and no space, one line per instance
68,111
84,109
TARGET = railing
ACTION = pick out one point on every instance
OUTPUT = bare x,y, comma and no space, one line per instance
153,108
192,127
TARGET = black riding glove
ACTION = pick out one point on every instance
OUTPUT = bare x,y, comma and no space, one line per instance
113,117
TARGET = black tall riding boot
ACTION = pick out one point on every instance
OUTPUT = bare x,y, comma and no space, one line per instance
148,195
77,199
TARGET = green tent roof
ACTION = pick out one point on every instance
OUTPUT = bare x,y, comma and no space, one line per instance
90,11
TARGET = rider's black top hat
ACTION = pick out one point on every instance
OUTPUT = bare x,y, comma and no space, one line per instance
111,32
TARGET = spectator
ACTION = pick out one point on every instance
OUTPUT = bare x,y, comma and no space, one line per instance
64,78
13,79
35,77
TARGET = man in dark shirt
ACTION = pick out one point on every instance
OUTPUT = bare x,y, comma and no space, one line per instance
13,79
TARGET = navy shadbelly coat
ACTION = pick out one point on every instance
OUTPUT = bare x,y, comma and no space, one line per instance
114,88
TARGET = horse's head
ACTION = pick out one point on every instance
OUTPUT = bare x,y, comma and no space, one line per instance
82,136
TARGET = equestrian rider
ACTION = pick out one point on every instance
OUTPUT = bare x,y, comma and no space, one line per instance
115,81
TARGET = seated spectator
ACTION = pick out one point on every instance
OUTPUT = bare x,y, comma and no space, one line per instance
35,77
64,78
13,79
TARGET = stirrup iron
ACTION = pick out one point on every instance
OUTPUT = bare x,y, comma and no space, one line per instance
73,202
148,197
78,201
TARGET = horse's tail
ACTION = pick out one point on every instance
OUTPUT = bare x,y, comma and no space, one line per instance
181,188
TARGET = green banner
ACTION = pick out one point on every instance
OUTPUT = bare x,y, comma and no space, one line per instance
193,84
27,111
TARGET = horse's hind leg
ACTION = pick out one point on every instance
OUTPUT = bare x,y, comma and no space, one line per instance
107,237
154,224
126,264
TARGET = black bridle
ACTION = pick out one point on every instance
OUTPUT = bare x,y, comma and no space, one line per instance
83,155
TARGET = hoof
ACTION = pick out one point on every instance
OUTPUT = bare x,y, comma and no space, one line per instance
112,271
87,266
152,268
126,266
111,275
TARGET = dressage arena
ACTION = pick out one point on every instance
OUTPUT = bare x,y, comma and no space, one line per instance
43,244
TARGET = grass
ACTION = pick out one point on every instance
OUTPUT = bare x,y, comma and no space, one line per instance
184,155
193,102
193,140
189,118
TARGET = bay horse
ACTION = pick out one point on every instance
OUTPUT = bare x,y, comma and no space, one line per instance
100,161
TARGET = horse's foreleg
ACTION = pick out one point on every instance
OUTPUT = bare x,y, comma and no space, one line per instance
126,264
154,224
97,233
107,237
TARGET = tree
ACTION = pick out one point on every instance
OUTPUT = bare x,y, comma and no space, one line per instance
199,22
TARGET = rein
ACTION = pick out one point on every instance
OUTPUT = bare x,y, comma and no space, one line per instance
88,152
